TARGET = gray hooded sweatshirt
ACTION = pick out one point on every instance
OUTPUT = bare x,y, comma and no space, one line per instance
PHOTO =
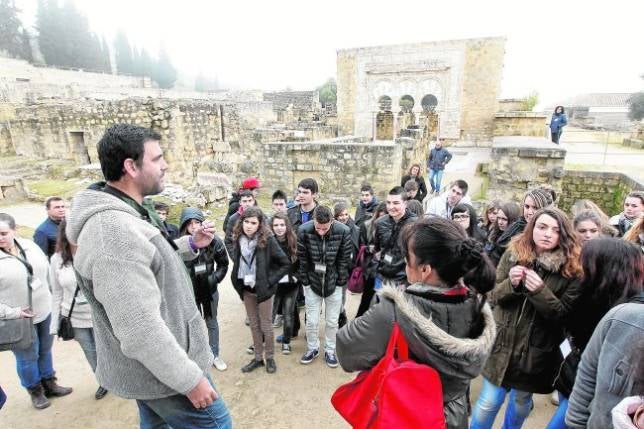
151,340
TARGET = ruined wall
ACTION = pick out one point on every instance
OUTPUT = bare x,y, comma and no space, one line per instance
481,87
346,75
606,189
520,124
295,105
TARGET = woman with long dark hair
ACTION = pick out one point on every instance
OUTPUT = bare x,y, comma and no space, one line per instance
258,265
443,313
536,286
506,215
367,230
287,288
465,216
65,293
613,273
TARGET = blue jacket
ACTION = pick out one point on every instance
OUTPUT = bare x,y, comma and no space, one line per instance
607,368
45,236
438,158
558,121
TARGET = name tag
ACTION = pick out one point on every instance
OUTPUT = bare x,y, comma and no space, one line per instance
249,280
35,283
388,259
284,279
200,269
320,268
565,348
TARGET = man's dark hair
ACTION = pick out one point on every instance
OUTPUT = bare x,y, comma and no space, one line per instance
279,195
120,142
159,205
246,193
398,190
366,188
50,200
322,214
309,184
462,185
411,185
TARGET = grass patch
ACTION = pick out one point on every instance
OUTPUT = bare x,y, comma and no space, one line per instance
62,188
482,193
25,231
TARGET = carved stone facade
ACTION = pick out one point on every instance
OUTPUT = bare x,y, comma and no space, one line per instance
459,80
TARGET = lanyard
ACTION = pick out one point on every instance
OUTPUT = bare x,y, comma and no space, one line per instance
249,264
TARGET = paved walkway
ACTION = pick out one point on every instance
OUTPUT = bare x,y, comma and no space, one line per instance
26,214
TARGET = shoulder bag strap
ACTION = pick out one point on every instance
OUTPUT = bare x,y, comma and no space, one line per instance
30,269
73,302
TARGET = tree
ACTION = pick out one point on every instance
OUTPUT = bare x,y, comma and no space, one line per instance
328,92
123,54
163,71
529,101
11,31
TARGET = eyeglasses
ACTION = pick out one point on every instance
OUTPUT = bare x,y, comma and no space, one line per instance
461,216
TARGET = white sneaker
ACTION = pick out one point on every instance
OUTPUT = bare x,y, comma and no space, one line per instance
554,398
220,364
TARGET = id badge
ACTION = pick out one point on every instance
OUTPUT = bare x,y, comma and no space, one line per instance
565,348
200,269
320,268
249,280
388,259
35,283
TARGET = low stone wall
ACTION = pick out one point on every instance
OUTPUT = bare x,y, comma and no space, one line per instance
520,124
606,189
522,163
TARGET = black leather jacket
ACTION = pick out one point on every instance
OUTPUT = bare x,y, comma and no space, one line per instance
386,241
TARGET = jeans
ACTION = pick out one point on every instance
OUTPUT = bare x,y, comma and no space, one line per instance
435,177
261,325
288,302
558,421
85,337
213,325
36,363
490,401
177,412
333,305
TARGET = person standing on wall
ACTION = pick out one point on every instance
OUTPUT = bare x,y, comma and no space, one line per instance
438,159
162,360
557,122
47,232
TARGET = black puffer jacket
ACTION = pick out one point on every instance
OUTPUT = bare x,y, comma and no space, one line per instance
386,241
272,265
333,250
444,330
215,260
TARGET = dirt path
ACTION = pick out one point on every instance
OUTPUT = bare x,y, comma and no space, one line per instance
297,396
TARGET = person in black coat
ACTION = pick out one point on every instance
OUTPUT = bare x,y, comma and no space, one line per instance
162,210
367,204
206,272
465,216
414,174
341,214
258,265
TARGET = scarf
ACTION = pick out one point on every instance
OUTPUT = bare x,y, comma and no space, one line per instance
247,260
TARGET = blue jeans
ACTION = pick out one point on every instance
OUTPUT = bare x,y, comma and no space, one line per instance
213,325
435,177
85,337
177,412
35,363
490,401
558,421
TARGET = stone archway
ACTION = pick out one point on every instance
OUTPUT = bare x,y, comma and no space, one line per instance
429,117
384,119
406,116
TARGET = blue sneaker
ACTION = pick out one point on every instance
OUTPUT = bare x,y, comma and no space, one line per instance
330,359
309,356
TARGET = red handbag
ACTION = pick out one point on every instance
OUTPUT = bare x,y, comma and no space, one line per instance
356,280
396,393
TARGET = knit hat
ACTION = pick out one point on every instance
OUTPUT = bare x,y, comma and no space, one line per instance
190,213
251,183
541,197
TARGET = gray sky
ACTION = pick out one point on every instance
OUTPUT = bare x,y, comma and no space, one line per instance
557,48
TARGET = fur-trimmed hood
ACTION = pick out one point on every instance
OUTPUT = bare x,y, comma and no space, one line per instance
465,355
551,261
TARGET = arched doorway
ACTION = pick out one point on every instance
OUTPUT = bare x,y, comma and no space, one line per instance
406,116
429,116
384,119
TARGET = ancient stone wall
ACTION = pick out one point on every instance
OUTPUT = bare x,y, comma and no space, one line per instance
606,189
347,79
522,163
520,124
295,105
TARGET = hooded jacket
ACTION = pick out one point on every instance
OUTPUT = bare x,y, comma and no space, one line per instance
444,331
333,250
526,353
150,338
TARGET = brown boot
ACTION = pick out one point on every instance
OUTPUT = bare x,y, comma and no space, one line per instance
38,398
53,389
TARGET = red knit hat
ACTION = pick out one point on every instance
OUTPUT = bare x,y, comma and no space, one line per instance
251,183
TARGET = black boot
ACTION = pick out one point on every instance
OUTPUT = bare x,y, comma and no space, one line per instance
38,398
100,392
53,389
254,364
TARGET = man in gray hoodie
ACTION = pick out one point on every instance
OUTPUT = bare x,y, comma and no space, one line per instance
151,341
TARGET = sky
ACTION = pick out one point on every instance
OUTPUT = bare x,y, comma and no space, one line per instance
556,48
